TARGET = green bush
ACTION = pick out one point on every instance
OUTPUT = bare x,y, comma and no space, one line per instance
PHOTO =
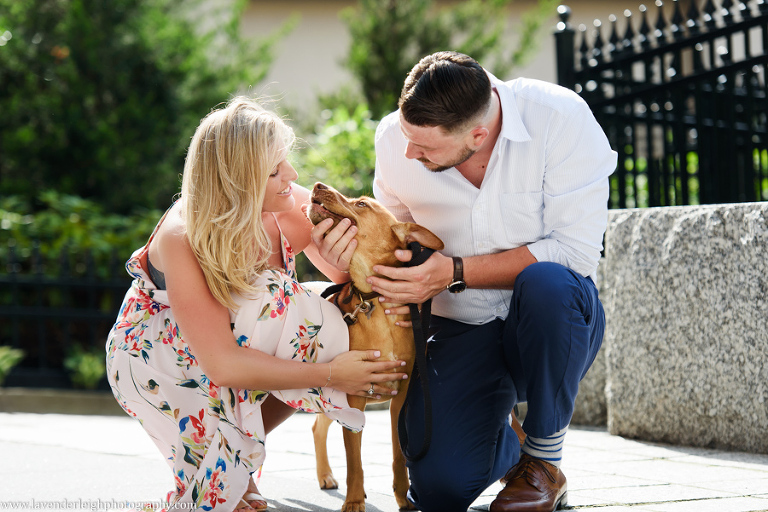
341,151
72,226
100,98
86,367
9,357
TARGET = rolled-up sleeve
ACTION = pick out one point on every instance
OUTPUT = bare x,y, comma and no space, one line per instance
579,161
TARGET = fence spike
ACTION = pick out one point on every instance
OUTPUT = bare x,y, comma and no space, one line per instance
725,55
762,6
645,29
584,48
726,12
597,47
615,46
661,24
709,14
693,23
678,22
744,10
629,34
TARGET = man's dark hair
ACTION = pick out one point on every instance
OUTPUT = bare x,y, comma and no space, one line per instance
446,89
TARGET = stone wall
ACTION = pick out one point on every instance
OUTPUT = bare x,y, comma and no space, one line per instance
686,347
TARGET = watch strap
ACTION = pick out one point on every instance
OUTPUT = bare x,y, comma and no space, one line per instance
458,269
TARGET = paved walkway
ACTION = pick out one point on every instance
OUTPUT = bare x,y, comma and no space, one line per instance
69,462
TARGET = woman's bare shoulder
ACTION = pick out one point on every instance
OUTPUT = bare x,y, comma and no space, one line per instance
170,241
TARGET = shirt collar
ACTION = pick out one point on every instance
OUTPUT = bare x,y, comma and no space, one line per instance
512,126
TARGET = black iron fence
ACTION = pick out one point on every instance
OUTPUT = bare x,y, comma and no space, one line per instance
682,101
48,307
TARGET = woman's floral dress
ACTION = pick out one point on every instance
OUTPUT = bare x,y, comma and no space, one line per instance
213,437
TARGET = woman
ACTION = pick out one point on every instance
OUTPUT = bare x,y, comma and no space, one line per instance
216,342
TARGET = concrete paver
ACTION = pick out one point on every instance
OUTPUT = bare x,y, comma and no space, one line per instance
73,462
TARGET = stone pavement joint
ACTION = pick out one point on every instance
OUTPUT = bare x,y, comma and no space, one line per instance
62,459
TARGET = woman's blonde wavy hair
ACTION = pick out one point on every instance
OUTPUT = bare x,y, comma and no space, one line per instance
232,154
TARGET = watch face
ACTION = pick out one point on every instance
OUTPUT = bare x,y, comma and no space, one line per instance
457,286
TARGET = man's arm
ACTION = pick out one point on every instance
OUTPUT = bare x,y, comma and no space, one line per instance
421,283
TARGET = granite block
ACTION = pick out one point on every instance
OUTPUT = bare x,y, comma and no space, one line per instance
686,344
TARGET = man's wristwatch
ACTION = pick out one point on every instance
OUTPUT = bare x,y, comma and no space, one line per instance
458,284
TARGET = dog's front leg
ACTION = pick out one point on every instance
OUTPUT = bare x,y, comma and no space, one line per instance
400,471
355,500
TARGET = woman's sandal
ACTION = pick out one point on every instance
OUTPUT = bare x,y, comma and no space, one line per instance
251,497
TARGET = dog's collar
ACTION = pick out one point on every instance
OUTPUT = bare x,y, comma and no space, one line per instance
362,296
365,303
353,290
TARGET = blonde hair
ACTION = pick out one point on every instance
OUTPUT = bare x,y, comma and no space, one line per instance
232,154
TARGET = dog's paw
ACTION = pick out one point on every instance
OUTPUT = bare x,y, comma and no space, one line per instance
353,506
327,481
404,503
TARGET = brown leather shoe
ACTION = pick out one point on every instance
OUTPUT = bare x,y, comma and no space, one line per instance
532,486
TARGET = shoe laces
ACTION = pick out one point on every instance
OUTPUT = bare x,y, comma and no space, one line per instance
529,468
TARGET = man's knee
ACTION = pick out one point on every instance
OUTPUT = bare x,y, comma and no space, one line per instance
543,279
547,288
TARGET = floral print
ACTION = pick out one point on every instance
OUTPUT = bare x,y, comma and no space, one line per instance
211,436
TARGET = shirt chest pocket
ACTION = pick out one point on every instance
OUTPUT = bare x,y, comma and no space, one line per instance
522,214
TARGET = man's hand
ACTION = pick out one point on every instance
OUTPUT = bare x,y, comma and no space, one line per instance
413,285
337,245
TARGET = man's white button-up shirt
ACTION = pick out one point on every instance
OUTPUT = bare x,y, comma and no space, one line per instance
546,186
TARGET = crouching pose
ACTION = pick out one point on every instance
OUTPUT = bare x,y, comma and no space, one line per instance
216,342
513,177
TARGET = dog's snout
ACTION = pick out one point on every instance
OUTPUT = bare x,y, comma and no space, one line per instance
320,186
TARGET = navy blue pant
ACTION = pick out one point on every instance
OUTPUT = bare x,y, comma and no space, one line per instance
477,373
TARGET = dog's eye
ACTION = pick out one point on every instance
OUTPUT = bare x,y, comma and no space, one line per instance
361,204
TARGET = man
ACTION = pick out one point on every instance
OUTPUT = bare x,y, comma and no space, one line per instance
513,177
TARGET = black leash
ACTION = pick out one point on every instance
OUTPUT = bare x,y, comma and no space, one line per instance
420,324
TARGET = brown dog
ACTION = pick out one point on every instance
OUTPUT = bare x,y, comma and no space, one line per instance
379,234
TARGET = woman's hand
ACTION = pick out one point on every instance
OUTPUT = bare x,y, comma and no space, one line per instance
335,245
353,372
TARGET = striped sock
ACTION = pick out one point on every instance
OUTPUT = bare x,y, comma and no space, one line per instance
549,449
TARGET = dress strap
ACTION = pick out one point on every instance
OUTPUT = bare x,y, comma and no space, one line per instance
143,253
289,263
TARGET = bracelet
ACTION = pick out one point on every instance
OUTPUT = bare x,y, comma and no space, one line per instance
330,372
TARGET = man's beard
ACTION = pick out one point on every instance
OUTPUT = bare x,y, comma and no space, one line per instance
466,155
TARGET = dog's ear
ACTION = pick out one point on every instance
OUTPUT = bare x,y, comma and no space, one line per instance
409,232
